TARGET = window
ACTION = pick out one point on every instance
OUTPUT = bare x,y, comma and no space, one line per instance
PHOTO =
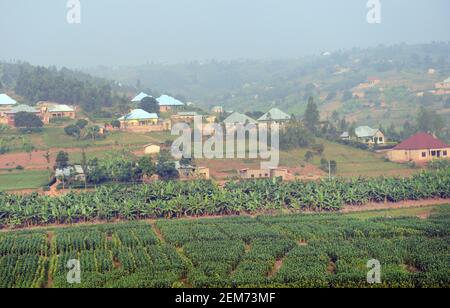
445,153
380,139
433,153
253,175
424,154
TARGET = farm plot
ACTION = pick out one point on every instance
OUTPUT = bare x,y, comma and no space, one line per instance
314,250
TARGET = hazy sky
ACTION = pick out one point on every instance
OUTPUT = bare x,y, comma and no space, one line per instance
120,32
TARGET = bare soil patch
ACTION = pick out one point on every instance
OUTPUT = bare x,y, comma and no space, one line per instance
393,205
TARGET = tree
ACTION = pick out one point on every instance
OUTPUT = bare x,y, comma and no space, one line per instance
319,148
335,117
295,136
93,132
82,123
147,166
73,131
347,96
115,124
149,104
47,157
27,120
429,121
309,156
62,160
312,116
165,168
447,103
186,161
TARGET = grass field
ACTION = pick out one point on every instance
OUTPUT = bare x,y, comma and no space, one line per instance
27,179
350,161
314,250
56,138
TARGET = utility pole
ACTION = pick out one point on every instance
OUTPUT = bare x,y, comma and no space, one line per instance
329,169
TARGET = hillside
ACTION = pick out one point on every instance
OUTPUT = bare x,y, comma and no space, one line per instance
257,85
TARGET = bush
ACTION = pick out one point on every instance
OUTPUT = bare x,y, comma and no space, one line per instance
60,120
19,167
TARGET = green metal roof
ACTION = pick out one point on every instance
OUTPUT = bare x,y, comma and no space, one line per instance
23,108
275,114
61,108
139,114
365,131
239,118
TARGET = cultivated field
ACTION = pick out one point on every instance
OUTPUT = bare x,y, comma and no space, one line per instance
317,250
351,162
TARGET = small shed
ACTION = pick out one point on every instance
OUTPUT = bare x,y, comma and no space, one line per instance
151,149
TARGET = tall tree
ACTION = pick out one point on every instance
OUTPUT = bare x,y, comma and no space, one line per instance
62,160
149,104
27,120
312,116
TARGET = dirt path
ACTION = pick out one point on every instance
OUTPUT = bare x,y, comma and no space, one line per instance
158,233
49,284
393,205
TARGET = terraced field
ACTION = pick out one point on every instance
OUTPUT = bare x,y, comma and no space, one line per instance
318,250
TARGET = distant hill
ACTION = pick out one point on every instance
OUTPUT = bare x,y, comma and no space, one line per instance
331,79
30,84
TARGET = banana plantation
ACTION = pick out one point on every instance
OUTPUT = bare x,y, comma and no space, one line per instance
205,198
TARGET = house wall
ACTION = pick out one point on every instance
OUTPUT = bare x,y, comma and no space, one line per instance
255,174
70,115
264,174
165,108
153,149
443,85
424,155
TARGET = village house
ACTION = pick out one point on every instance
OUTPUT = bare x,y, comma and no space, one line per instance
217,109
368,135
184,117
248,174
420,148
139,120
168,103
52,110
72,173
442,88
6,103
138,98
239,118
11,114
188,172
443,85
275,115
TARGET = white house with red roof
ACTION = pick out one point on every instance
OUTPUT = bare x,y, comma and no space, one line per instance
420,148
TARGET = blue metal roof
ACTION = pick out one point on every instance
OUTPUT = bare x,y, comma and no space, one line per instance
139,114
166,100
6,100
